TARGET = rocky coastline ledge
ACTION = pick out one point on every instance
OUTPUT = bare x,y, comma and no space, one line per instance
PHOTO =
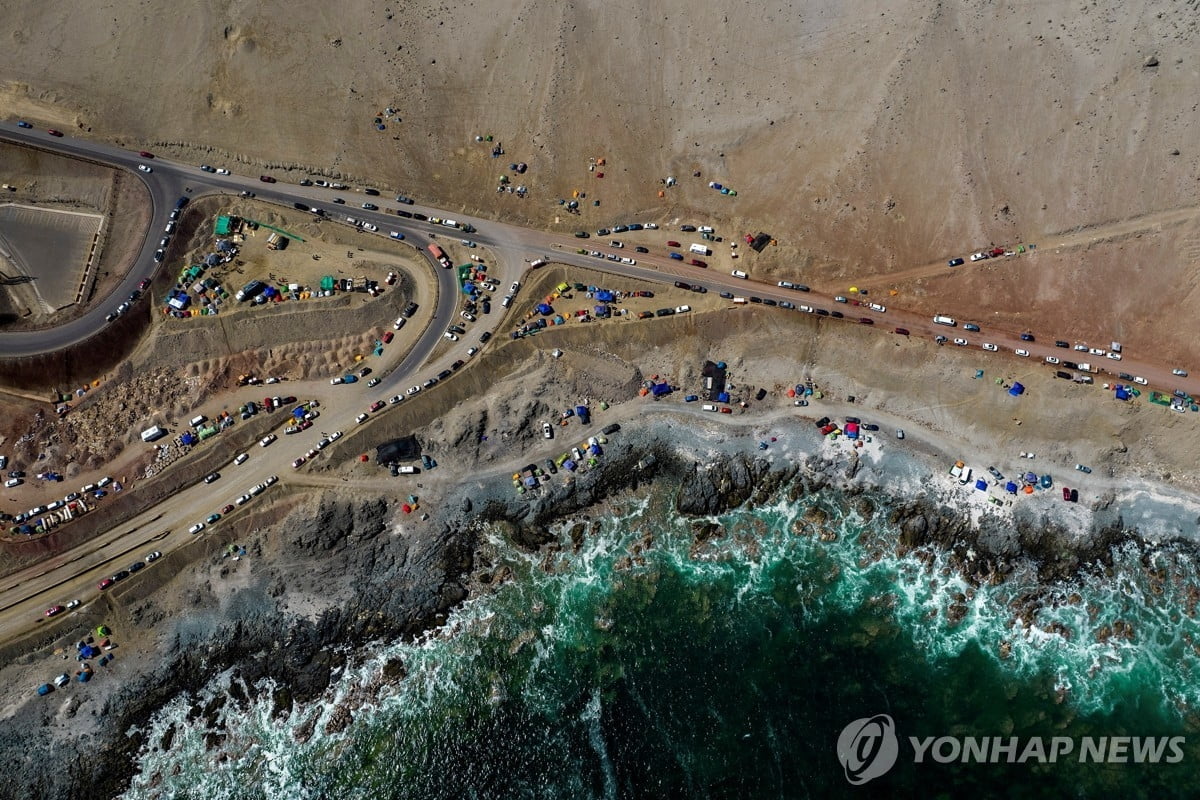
383,585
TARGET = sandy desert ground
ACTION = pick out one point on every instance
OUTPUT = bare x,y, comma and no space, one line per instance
869,138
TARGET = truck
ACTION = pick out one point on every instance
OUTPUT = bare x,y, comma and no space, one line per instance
943,320
439,254
249,290
700,249
1087,368
153,433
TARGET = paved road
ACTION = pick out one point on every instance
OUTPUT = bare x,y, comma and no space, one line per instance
25,595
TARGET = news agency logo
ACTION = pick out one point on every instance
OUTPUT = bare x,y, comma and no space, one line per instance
868,748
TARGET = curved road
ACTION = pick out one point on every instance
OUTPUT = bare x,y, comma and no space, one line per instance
25,595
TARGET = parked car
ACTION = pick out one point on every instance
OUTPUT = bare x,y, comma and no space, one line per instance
955,262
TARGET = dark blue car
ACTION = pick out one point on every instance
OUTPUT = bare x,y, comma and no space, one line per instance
676,256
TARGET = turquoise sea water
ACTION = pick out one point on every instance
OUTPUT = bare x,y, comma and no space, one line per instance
728,670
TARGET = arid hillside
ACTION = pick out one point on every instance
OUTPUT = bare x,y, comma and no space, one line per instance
868,137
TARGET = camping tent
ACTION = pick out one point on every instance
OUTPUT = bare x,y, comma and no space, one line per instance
1010,487
723,397
659,389
544,309
1122,393
981,485
1017,390
605,296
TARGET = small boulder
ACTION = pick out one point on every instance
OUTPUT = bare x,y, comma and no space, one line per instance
1151,62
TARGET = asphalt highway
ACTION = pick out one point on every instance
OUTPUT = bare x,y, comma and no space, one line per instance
24,596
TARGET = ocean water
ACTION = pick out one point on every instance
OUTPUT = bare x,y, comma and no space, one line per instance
645,665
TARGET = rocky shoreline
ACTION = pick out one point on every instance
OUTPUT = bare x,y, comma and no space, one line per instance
389,586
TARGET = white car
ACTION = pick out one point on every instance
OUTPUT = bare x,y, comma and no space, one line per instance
1114,356
615,243
1096,351
1180,372
1082,348
468,316
149,558
451,336
472,351
683,309
414,389
336,381
398,398
877,307
145,168
650,226
333,437
199,526
628,261
1023,353
1052,360
978,256
266,440
361,418
986,346
241,501
257,489
516,287
547,431
961,342
737,273
369,227
1140,379
241,458
271,480
222,171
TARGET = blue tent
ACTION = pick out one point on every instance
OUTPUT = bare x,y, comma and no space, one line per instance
188,438
1010,487
85,676
601,311
1122,393
544,309
605,296
468,288
582,413
981,485
45,689
570,464
531,482
723,397
594,449
659,389
1030,477
1017,390
87,651
1046,482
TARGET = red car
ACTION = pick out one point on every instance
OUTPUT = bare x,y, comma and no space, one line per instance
378,404
144,285
52,610
145,154
902,331
227,509
1066,494
387,337
674,244
107,582
266,179
695,262
726,410
53,132
865,321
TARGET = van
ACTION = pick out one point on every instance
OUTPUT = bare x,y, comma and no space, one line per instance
940,320
198,420
408,470
739,300
708,407
705,229
700,249
737,273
